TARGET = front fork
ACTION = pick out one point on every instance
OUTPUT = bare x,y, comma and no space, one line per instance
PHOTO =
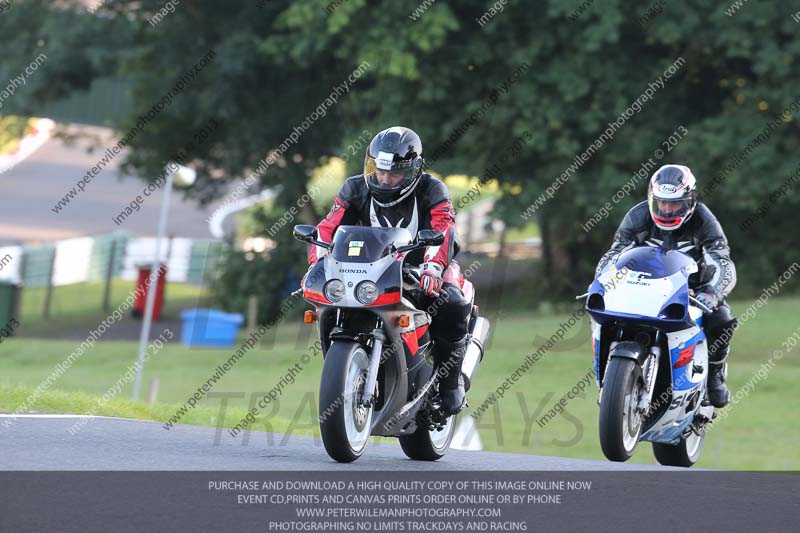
650,370
378,338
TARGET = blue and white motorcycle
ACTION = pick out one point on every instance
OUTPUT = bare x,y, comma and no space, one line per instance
650,356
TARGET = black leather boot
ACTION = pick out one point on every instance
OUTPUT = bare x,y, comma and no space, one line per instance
449,356
718,393
720,326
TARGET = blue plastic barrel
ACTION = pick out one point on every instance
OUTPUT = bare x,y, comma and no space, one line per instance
209,327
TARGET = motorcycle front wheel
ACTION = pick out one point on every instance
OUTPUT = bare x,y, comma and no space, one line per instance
620,422
344,424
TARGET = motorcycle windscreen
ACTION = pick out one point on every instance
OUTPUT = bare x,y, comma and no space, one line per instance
644,280
656,262
365,244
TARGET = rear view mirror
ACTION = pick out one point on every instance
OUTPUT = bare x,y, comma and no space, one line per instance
430,237
304,232
425,237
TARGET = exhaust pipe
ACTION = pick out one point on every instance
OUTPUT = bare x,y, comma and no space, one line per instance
474,354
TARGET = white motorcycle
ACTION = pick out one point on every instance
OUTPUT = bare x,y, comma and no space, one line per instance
378,377
650,356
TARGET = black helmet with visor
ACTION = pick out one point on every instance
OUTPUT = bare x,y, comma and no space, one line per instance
396,154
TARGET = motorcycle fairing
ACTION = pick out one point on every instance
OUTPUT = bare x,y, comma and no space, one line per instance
637,289
413,337
668,434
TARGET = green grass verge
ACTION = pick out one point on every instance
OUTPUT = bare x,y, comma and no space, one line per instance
758,433
79,306
81,403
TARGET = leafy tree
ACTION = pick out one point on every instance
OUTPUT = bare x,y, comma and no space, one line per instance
434,72
448,72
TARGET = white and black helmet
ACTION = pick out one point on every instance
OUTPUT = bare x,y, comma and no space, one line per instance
672,196
399,150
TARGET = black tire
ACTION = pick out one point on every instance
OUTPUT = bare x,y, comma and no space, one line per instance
615,428
422,446
336,402
684,454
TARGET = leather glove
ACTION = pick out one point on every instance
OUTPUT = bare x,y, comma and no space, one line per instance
707,299
430,280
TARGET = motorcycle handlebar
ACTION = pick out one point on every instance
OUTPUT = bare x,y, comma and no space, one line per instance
412,273
703,307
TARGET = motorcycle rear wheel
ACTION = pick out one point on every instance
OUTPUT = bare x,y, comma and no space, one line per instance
345,426
427,445
685,453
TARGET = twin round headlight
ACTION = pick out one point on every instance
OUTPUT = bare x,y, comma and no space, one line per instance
334,290
366,291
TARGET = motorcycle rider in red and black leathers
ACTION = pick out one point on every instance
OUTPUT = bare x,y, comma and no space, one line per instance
394,191
673,219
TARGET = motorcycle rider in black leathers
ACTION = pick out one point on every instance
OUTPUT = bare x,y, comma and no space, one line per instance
673,219
394,191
